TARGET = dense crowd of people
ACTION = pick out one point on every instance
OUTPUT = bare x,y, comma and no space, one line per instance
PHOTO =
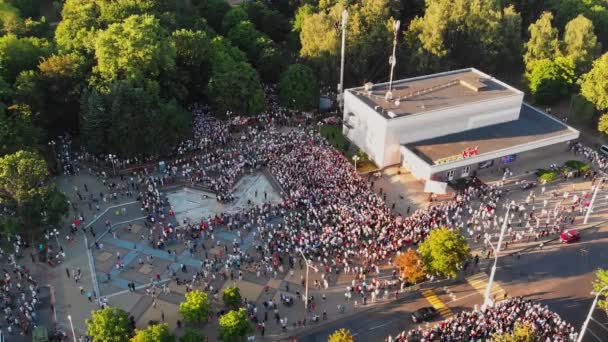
482,325
328,212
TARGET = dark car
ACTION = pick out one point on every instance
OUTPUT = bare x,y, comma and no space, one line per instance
424,314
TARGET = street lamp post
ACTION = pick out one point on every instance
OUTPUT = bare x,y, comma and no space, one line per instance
306,286
589,316
341,85
113,161
590,208
486,300
72,327
355,159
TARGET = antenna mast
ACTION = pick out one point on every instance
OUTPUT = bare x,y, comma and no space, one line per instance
341,84
392,61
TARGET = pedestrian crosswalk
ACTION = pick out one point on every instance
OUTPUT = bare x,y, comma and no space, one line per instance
480,281
443,309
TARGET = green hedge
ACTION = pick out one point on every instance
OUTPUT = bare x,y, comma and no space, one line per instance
578,165
546,176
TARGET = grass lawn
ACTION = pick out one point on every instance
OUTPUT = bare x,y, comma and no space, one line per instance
333,134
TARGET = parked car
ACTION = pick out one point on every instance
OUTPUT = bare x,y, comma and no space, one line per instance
424,314
569,235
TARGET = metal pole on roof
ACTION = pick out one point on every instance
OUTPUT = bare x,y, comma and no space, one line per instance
392,60
341,84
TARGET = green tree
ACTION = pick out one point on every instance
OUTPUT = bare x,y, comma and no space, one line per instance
594,86
551,80
19,54
110,115
602,123
61,78
109,325
232,75
192,61
543,43
580,42
449,30
601,280
153,333
444,252
595,10
23,175
232,297
10,20
18,130
134,49
235,16
267,20
341,335
234,325
191,335
298,88
214,11
522,332
78,26
195,308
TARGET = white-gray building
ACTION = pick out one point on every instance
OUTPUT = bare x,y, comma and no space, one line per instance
448,125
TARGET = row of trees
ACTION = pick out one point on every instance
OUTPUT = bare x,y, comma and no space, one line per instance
443,253
113,324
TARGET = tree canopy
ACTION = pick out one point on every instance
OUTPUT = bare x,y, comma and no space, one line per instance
543,42
580,42
411,266
551,80
195,308
444,252
109,324
594,86
234,325
153,333
298,88
341,335
232,297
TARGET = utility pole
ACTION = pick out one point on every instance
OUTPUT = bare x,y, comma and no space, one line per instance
341,84
590,208
590,315
486,296
392,60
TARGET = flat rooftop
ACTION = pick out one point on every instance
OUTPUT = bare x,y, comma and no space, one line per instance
531,126
433,92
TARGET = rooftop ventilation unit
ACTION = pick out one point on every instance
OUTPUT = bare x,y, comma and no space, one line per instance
391,114
368,86
388,96
397,102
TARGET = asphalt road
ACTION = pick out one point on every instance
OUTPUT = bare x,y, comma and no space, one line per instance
558,275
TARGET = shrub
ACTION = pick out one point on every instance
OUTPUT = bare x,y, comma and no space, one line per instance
578,165
546,176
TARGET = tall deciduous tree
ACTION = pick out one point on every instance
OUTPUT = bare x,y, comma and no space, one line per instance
543,42
298,88
463,33
153,333
22,176
551,80
595,83
195,308
109,324
129,119
191,335
192,61
19,54
134,49
78,26
522,332
234,325
411,266
444,252
602,123
232,297
580,42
